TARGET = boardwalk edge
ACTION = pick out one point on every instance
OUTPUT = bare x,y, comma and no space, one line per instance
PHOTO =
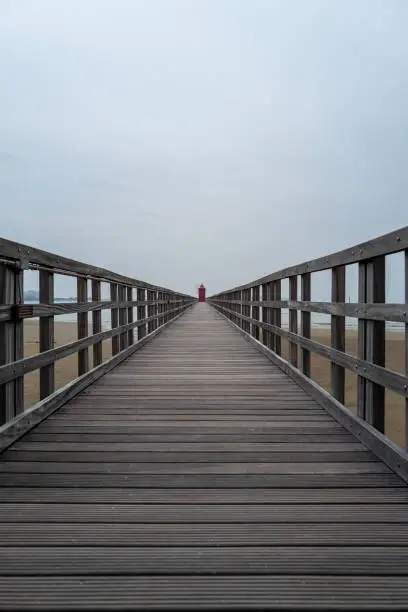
391,454
20,425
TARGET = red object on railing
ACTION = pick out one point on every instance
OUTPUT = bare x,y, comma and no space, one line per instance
201,293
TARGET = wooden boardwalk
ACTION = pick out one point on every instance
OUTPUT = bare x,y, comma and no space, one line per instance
195,475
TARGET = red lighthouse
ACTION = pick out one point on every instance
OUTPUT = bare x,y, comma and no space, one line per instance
201,293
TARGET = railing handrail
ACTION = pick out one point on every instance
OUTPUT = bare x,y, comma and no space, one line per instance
37,259
388,244
256,309
153,308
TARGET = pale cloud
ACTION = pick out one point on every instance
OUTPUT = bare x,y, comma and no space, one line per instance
205,140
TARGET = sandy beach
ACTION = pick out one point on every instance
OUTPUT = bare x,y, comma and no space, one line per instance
66,369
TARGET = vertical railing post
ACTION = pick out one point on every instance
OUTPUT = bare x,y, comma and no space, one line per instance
255,312
293,320
160,308
241,309
361,381
141,313
375,339
266,334
250,291
131,332
150,310
338,332
305,322
165,298
96,322
82,324
249,310
7,344
270,315
11,341
47,373
19,340
371,342
122,297
406,349
114,317
156,310
277,315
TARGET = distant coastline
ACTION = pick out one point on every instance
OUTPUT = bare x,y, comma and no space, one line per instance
34,296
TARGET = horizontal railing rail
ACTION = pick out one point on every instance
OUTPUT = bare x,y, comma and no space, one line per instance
256,308
138,310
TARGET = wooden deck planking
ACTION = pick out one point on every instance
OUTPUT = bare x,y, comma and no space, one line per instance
193,462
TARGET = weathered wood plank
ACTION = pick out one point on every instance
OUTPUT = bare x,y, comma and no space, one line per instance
338,333
110,434
47,375
361,310
406,348
46,476
222,592
375,345
204,513
11,343
362,353
277,316
96,323
7,354
130,318
206,560
141,314
109,495
305,323
123,338
293,322
194,447
195,459
197,468
114,317
27,311
83,354
204,534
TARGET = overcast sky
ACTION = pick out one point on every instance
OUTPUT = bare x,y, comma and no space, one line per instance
202,141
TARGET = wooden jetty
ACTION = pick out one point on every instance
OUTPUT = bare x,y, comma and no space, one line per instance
196,468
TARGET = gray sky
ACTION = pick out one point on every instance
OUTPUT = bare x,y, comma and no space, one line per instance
185,141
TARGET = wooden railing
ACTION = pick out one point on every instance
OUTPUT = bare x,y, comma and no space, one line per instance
155,307
256,309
